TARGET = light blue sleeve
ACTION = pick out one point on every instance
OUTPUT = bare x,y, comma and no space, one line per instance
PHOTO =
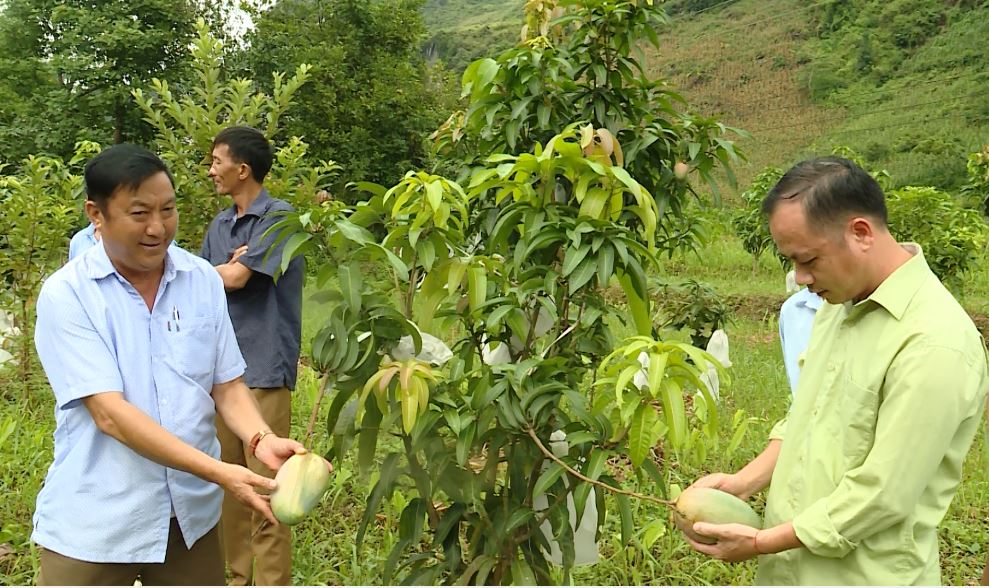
76,359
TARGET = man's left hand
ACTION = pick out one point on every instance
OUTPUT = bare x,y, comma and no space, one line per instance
735,542
273,450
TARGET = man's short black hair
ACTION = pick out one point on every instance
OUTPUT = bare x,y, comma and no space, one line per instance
247,145
120,166
831,189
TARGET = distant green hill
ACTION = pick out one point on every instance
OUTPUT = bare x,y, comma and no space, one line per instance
902,82
464,30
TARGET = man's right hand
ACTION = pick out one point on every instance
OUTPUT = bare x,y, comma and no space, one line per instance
242,484
237,253
729,483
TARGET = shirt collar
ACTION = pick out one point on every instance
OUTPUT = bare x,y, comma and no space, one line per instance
99,266
899,288
807,298
259,207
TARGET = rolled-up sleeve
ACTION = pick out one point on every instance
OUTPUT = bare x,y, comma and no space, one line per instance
779,429
930,391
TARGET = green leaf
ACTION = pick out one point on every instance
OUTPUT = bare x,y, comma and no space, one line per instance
640,434
606,265
625,514
583,275
427,254
547,478
411,522
386,479
477,287
465,443
657,369
367,440
573,257
351,285
434,194
450,520
638,306
676,416
519,516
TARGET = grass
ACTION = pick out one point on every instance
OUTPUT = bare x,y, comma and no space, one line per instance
325,550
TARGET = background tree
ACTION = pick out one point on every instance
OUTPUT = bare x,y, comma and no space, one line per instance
582,61
372,99
67,68
186,121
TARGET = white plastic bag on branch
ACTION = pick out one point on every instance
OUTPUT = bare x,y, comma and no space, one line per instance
7,330
718,347
434,350
585,547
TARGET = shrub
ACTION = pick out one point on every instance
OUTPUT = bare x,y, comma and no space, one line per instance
694,306
749,222
950,234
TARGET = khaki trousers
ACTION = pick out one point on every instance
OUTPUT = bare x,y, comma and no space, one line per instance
261,558
200,566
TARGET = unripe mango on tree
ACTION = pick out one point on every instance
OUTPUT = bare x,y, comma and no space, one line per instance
680,170
710,505
302,481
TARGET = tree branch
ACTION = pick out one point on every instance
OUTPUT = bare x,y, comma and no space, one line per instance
549,454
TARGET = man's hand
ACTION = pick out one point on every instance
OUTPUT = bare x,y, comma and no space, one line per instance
241,483
237,253
730,483
235,274
273,450
734,542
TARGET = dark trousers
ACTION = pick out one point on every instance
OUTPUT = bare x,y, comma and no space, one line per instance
200,566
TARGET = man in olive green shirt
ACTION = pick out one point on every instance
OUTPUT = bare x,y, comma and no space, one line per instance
891,395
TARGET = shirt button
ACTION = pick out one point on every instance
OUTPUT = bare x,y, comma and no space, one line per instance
831,367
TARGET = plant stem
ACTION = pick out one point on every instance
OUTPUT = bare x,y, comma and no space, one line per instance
549,454
323,385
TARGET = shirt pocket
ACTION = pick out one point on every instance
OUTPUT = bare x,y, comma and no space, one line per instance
858,407
194,350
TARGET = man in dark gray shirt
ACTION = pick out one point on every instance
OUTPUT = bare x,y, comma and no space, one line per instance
267,319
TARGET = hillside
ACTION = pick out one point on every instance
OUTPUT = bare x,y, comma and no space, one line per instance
464,30
901,82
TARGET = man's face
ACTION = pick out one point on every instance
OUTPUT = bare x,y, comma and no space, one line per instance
824,260
227,174
138,225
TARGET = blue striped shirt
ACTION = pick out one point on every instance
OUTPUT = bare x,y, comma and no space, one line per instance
102,502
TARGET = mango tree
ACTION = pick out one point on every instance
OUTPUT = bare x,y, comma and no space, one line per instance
531,264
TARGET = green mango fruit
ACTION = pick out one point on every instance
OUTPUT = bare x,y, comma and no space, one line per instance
710,505
302,481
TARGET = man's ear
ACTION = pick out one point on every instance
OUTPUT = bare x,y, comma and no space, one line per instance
862,231
244,172
95,213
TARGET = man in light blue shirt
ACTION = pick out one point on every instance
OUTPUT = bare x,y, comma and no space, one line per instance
136,342
83,240
796,319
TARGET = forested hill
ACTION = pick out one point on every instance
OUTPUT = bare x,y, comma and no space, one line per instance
902,82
